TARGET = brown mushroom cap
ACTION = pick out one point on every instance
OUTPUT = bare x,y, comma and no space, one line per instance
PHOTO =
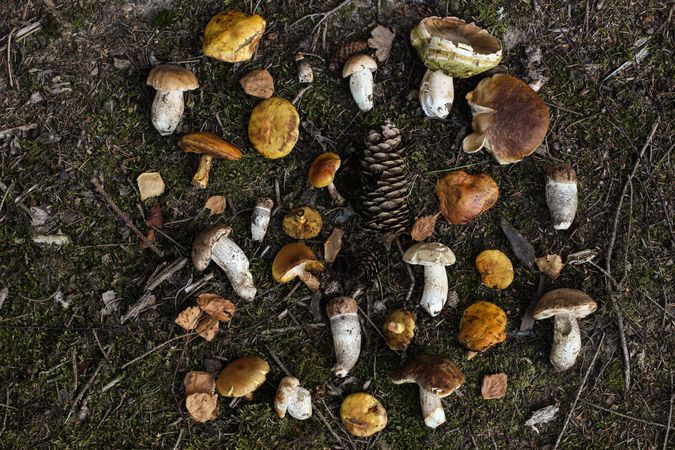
564,301
429,254
341,305
362,414
292,259
323,169
169,77
202,248
509,119
483,325
399,329
561,173
207,143
302,223
358,62
242,377
463,196
435,374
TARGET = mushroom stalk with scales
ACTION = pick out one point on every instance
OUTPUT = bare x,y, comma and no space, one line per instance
434,256
170,81
346,331
260,219
561,195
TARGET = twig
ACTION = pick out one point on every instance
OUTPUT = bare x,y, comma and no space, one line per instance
581,388
154,349
22,33
9,58
299,95
670,414
4,197
167,272
86,388
324,14
180,437
146,302
626,416
22,128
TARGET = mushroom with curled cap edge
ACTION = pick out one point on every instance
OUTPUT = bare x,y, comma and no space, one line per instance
322,173
209,146
359,68
463,196
273,127
304,222
437,377
399,329
565,306
362,414
214,245
170,81
483,325
292,398
233,36
297,260
495,269
242,377
434,256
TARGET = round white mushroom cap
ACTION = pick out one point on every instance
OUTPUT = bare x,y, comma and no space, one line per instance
358,62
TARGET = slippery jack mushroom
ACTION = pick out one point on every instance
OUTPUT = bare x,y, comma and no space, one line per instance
483,325
346,331
495,269
297,260
233,36
273,127
359,68
362,414
242,377
561,195
437,377
260,219
209,146
304,222
434,256
170,81
214,245
565,306
292,398
322,173
463,196
399,329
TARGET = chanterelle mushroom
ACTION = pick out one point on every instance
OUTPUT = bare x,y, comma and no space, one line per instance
242,377
437,377
362,414
233,36
565,306
434,256
214,245
483,325
297,260
322,173
346,331
170,81
209,146
292,398
359,68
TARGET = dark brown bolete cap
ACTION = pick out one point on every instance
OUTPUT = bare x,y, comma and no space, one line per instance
564,301
202,248
561,173
435,374
170,77
206,143
341,305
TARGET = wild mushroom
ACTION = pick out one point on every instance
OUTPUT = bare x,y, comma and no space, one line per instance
170,81
260,219
322,173
304,222
362,414
399,329
292,398
305,73
565,306
495,269
273,127
561,195
483,325
437,377
297,260
242,377
209,146
359,68
434,256
214,244
509,119
346,331
232,36
464,196
436,94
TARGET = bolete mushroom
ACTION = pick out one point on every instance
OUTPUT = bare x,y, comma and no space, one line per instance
305,72
297,260
561,194
346,332
322,173
273,127
170,81
209,146
483,325
434,256
304,222
242,377
509,119
495,269
214,245
362,414
359,68
565,306
437,377
292,398
233,36
260,219
399,329
464,196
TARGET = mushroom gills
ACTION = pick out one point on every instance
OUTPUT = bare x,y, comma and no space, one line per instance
229,257
346,332
432,409
436,94
361,87
562,200
167,109
435,289
566,342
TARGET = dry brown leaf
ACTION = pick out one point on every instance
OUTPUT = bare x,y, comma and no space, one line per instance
216,307
189,317
333,245
494,386
521,246
149,240
258,83
424,227
155,217
551,265
382,39
215,204
150,184
207,328
198,382
202,407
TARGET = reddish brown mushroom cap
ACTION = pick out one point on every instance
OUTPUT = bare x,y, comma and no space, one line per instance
463,196
574,302
435,374
323,169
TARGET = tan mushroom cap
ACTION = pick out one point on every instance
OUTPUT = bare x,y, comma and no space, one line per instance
323,169
202,248
341,305
242,377
495,269
362,414
464,196
399,329
435,374
429,254
273,127
483,325
169,77
210,144
233,36
292,259
304,222
564,301
509,119
358,62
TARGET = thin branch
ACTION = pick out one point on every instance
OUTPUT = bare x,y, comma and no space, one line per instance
626,416
86,388
154,349
670,414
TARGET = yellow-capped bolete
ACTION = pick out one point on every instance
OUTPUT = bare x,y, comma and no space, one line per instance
346,331
362,414
233,36
322,173
483,325
214,245
170,81
437,377
359,68
495,268
260,219
463,196
304,222
273,127
297,260
561,194
209,146
565,306
399,329
509,119
242,377
293,399
434,256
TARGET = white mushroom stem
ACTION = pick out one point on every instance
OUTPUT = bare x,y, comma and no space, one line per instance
346,332
260,219
292,398
361,87
436,94
167,109
566,342
335,195
432,409
435,289
229,257
562,200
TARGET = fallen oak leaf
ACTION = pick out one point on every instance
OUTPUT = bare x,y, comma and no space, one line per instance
424,227
202,407
198,382
215,204
216,307
551,265
188,318
382,39
333,245
521,246
150,184
155,218
494,386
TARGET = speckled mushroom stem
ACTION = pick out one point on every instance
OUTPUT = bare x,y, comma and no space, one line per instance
229,257
201,177
167,109
566,342
335,195
312,282
432,409
260,219
435,289
561,195
346,331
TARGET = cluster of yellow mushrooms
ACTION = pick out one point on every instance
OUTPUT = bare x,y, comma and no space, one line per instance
509,120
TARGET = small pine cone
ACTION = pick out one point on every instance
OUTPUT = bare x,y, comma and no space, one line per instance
345,51
366,266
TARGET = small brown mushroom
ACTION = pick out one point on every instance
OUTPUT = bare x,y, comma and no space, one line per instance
170,81
322,173
209,146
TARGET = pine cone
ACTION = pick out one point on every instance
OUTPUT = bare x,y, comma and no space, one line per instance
366,266
384,202
346,51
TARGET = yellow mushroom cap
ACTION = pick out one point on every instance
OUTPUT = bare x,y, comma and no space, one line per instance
483,325
242,377
362,414
233,36
302,223
210,144
495,269
292,259
399,329
273,127
322,171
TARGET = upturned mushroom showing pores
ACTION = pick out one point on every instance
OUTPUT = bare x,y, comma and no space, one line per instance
399,329
304,222
565,306
213,245
434,256
242,377
483,325
561,195
346,331
170,81
293,399
359,68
